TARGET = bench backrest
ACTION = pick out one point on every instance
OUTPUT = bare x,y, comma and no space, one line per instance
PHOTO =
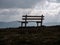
26,17
38,18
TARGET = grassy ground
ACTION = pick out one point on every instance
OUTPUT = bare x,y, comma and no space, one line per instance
30,36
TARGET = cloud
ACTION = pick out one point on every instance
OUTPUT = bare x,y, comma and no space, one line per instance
14,9
17,3
50,9
13,14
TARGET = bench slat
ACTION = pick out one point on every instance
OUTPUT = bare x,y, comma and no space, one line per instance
33,16
33,19
27,18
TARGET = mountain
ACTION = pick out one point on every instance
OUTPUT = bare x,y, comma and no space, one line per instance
9,24
14,24
51,23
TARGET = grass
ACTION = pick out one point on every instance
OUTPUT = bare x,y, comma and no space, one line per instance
30,36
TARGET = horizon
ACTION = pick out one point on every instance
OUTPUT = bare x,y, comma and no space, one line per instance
15,24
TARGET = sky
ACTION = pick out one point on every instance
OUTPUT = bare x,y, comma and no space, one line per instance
12,10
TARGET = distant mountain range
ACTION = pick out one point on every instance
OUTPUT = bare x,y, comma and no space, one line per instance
17,24
9,24
51,23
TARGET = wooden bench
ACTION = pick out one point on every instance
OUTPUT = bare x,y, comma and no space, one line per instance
27,18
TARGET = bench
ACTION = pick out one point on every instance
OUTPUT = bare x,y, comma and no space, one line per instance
27,18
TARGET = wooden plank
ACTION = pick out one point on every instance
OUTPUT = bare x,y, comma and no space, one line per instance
32,16
24,22
32,19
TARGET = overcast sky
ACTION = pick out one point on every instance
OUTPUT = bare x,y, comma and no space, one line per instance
12,10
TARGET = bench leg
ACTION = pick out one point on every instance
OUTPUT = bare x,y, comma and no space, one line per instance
41,24
21,24
37,24
25,24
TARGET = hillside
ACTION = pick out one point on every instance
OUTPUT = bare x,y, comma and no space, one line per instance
30,36
15,24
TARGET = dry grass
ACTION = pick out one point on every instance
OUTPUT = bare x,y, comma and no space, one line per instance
30,36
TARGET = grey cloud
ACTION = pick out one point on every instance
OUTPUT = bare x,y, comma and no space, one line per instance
58,1
10,12
14,11
17,3
13,14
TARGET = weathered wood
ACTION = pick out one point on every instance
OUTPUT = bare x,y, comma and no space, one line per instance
33,18
25,20
38,18
30,21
